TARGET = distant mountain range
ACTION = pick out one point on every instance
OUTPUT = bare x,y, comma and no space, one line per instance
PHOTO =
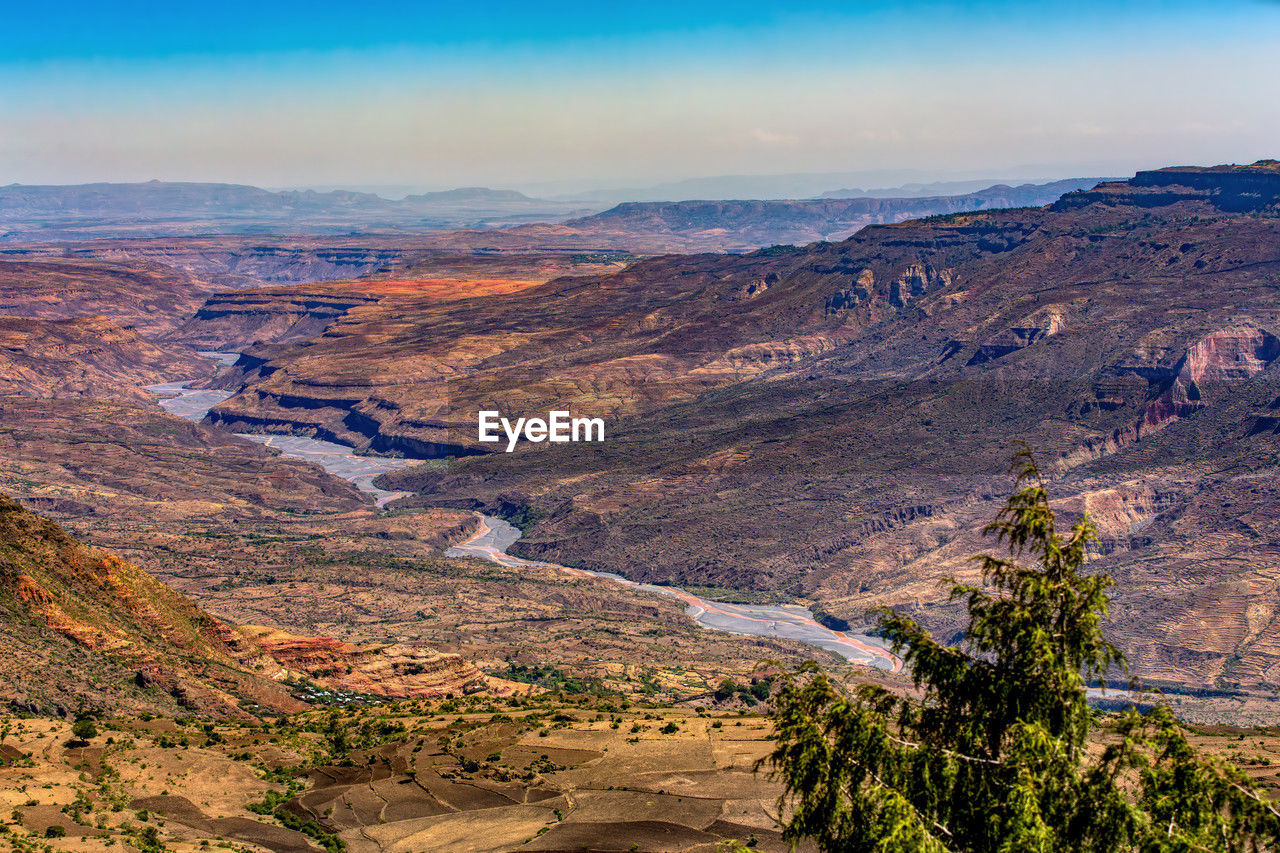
976,188
752,224
159,208
888,183
162,198
31,212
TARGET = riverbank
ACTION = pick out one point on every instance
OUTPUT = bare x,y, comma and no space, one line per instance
494,536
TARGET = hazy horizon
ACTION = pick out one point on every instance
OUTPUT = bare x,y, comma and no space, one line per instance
431,96
875,180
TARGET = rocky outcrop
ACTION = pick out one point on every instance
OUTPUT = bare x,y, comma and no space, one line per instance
396,670
116,612
916,281
1173,388
1028,331
237,321
1234,188
1229,355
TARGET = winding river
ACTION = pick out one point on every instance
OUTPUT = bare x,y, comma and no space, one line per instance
494,536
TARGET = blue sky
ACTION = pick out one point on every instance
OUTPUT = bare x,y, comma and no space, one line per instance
434,94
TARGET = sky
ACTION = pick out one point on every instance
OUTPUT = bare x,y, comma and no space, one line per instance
430,94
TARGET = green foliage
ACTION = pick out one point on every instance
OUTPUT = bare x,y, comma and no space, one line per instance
275,804
521,515
84,729
554,680
830,620
148,840
992,756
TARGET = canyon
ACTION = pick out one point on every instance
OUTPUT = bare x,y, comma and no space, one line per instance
830,421
822,425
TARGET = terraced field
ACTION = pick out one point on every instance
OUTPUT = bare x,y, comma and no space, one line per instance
527,775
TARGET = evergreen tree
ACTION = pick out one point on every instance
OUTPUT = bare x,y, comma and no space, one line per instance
994,753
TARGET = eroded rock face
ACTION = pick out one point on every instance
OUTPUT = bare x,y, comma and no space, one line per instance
918,280
1234,188
1229,355
1224,357
1028,331
842,300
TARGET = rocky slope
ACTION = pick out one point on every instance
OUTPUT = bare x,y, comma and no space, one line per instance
119,619
149,297
668,329
228,262
832,420
53,587
88,356
262,540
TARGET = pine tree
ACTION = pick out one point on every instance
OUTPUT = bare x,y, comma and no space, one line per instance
993,755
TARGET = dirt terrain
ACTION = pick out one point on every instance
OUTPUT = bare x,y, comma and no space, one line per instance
138,644
260,540
149,297
477,776
245,318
